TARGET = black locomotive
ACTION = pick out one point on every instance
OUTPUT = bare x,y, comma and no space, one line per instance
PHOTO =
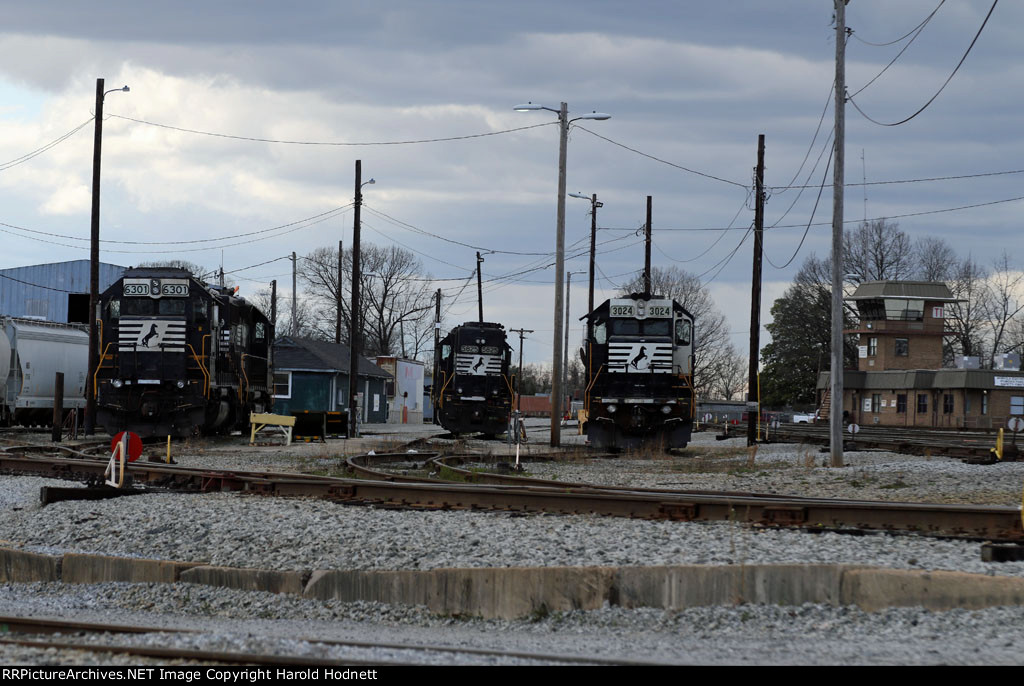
473,390
638,358
179,357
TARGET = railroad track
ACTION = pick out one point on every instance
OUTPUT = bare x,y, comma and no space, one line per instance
995,523
973,446
29,629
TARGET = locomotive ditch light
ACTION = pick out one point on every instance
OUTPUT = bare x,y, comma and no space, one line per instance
666,409
180,384
117,383
611,408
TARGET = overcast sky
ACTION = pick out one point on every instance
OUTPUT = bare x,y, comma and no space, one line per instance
689,83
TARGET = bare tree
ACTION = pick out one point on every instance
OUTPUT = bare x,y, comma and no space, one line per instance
877,250
1002,304
935,258
396,301
966,316
730,379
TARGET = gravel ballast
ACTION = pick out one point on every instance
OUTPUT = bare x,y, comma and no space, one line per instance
306,534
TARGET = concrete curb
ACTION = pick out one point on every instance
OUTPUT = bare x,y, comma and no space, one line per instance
510,592
18,566
92,569
247,579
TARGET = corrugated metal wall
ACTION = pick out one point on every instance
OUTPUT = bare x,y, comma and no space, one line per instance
42,290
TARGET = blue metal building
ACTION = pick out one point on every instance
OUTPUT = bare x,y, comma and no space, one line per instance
56,292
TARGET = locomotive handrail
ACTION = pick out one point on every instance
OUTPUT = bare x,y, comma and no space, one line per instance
206,375
96,374
445,385
509,384
591,385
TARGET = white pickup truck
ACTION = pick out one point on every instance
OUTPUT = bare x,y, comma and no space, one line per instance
805,418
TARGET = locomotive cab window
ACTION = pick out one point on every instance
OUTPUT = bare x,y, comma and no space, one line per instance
199,312
625,327
446,351
683,332
138,307
258,332
600,332
172,307
114,309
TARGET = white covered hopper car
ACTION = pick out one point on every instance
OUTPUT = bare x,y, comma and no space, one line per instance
31,354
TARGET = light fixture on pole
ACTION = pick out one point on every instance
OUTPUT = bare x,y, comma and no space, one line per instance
94,258
556,357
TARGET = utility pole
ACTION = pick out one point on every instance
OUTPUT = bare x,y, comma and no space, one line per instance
295,300
337,324
519,378
434,390
273,305
835,415
556,357
753,401
647,251
353,366
594,204
565,355
479,288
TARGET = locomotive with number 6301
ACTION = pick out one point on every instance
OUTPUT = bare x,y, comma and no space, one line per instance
179,357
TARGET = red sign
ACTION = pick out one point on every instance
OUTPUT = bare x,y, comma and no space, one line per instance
134,445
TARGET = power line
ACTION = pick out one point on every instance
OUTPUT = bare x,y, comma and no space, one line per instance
325,215
918,30
921,25
415,229
4,166
658,159
809,221
932,99
330,143
922,180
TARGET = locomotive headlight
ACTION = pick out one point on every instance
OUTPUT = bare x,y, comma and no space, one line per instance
458,390
611,408
495,392
117,383
180,384
666,409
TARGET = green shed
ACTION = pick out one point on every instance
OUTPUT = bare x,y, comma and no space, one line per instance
314,375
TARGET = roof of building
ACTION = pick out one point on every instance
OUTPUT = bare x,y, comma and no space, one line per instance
917,290
925,379
293,352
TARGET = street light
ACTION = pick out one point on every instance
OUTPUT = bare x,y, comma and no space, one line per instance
556,358
94,258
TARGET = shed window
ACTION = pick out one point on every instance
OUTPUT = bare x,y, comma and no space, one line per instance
1017,405
947,403
876,402
902,347
872,346
922,403
282,384
901,403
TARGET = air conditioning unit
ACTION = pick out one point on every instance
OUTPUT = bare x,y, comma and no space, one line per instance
1008,362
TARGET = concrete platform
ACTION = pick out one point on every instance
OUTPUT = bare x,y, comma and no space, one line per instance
509,593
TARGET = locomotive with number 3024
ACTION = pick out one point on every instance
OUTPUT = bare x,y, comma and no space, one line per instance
638,357
179,357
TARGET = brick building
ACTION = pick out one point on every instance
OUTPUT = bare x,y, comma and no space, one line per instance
900,380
